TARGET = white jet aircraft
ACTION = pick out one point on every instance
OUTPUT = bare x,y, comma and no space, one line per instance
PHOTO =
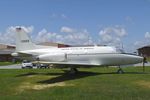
95,55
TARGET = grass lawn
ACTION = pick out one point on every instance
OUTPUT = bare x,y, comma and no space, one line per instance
7,63
89,84
148,59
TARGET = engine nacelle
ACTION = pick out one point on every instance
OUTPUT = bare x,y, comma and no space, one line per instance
56,57
14,54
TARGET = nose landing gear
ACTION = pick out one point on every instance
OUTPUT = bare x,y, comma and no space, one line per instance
120,71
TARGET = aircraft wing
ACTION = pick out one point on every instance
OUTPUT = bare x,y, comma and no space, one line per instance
22,55
67,63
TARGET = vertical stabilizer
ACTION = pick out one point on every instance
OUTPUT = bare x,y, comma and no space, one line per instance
23,42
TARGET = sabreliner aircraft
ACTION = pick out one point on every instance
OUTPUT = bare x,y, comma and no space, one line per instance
95,55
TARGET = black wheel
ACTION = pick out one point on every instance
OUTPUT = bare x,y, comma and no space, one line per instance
73,71
120,71
31,67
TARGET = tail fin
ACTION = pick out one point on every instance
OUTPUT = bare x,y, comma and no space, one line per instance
23,42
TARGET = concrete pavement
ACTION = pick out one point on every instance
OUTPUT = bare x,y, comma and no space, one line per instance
141,64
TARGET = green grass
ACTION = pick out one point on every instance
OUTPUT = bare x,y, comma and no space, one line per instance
6,63
89,84
148,59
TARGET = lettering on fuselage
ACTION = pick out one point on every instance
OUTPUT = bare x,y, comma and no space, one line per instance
24,41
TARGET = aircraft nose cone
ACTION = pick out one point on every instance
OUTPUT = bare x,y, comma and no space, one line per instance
137,59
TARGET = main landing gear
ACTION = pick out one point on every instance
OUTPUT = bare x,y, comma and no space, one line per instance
73,70
120,71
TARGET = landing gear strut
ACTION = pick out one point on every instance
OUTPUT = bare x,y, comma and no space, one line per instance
73,70
120,71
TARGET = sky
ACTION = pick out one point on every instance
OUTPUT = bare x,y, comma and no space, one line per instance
120,23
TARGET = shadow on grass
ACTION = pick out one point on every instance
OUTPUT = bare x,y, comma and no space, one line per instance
67,76
61,77
82,74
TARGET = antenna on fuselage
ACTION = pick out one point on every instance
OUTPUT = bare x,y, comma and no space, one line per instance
121,45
